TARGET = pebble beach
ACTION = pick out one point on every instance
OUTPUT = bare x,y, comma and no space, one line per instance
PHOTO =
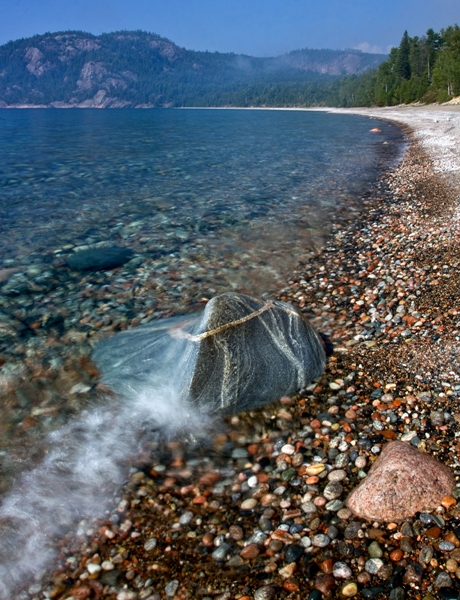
258,511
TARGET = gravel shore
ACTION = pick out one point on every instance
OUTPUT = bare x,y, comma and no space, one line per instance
258,512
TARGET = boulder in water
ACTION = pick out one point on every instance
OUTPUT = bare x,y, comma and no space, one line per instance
98,259
239,354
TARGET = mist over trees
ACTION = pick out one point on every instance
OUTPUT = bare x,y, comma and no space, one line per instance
139,69
421,69
136,68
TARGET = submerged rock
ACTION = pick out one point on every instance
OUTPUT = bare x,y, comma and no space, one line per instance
401,482
240,354
95,259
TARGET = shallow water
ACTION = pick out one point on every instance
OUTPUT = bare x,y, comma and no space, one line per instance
162,181
209,201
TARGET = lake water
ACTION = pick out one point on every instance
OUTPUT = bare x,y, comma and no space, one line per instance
207,201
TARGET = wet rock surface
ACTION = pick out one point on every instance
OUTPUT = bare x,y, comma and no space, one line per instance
240,354
96,259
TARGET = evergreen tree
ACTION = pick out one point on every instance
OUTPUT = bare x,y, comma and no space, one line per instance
403,60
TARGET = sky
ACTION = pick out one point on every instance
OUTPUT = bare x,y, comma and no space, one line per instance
254,27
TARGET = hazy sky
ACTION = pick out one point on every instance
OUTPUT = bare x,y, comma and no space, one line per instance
256,27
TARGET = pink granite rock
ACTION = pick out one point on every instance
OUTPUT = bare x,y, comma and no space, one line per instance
401,482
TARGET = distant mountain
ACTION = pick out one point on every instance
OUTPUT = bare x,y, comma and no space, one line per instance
136,69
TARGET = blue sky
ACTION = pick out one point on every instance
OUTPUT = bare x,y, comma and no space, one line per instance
256,27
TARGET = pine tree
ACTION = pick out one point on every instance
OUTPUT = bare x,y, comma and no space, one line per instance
403,60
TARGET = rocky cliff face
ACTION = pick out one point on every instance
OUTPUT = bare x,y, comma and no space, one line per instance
138,69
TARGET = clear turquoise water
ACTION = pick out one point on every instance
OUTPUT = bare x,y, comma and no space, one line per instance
208,201
238,180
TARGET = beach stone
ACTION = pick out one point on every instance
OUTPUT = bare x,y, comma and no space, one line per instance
239,354
171,588
320,540
266,592
373,565
98,259
374,550
324,583
220,554
341,570
349,590
397,594
293,553
413,574
401,482
443,580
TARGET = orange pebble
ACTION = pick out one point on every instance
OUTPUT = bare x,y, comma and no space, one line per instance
448,502
199,500
327,566
290,586
396,555
312,480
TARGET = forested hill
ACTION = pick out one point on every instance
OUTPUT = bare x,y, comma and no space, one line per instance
139,69
421,69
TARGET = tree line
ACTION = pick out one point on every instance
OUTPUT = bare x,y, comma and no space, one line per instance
424,69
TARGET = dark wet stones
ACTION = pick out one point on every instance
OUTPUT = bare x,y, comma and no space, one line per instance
373,592
240,354
448,594
413,574
97,259
443,580
293,553
220,554
397,594
266,592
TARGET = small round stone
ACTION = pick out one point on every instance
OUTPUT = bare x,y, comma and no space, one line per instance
374,550
293,553
309,507
171,588
373,565
396,555
341,570
150,544
334,505
249,552
266,592
337,475
446,546
186,518
360,462
443,580
342,460
236,533
333,490
93,568
220,554
344,514
287,449
248,504
320,540
451,565
349,590
425,555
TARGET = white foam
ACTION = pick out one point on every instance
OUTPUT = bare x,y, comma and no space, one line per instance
86,462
